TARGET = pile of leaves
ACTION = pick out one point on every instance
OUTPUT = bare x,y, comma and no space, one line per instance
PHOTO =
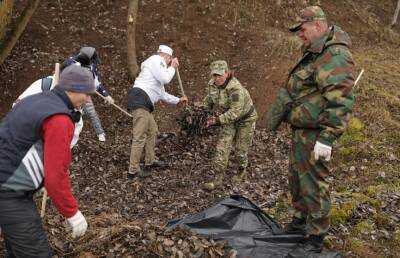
193,121
117,237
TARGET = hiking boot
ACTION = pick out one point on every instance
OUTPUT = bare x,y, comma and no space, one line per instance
138,173
242,173
295,227
313,245
156,164
210,186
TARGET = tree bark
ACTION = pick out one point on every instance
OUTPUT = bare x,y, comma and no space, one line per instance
133,68
396,14
6,8
12,37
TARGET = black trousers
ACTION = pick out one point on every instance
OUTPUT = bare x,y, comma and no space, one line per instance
21,226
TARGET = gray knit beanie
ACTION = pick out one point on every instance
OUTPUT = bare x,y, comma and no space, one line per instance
76,78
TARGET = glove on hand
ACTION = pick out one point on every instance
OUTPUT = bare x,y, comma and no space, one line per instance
211,121
78,224
109,100
322,151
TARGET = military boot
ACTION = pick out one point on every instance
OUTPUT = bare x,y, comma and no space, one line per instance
218,180
313,245
295,227
242,173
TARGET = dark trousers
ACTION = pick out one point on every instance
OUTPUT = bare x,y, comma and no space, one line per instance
21,226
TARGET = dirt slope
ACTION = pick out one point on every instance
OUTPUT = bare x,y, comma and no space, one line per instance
252,37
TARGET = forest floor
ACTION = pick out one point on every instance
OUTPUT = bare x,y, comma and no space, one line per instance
127,217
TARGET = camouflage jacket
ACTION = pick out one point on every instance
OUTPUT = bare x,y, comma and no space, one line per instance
232,100
321,86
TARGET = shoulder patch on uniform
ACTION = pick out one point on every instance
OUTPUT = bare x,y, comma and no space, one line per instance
162,64
338,50
235,97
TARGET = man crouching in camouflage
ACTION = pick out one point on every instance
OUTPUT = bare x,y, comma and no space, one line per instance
238,120
320,85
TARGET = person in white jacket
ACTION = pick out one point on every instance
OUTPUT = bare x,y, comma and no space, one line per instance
148,89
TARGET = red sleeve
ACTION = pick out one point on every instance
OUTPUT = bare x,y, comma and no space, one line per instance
57,135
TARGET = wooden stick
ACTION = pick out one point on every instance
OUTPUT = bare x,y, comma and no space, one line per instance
122,110
396,14
358,78
44,197
180,82
56,77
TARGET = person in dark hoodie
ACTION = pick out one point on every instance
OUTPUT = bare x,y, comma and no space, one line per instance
35,139
320,85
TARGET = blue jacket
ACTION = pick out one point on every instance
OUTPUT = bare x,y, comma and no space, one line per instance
21,145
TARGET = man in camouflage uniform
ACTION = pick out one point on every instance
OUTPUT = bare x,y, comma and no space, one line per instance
238,118
320,85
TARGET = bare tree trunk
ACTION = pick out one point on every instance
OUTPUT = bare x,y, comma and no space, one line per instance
133,68
396,13
12,37
6,8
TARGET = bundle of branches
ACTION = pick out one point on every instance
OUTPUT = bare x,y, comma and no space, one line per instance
193,121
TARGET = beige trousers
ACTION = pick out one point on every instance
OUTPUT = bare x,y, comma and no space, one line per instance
144,135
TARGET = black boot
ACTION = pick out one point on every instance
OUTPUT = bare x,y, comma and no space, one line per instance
295,227
313,245
156,164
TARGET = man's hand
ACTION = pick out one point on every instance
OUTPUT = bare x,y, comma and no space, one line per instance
212,120
78,224
322,151
109,100
175,62
183,101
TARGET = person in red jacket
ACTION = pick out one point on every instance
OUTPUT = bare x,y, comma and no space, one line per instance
35,138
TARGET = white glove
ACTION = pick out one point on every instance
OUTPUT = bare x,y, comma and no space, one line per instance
78,224
109,100
322,151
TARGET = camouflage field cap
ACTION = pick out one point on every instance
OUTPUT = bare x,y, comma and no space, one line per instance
308,14
219,67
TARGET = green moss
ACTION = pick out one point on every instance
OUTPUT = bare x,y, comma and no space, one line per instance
347,150
396,237
359,247
342,214
280,210
338,216
354,132
372,191
362,198
349,206
381,219
328,243
363,227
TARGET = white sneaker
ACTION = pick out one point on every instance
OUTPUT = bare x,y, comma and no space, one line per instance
102,137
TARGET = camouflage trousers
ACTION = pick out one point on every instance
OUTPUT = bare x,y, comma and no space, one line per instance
307,182
239,136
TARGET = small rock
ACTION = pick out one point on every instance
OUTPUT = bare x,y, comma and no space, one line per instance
168,242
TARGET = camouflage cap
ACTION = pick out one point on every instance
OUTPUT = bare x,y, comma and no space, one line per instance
308,14
219,67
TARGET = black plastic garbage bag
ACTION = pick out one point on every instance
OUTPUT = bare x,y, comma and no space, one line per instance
244,227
